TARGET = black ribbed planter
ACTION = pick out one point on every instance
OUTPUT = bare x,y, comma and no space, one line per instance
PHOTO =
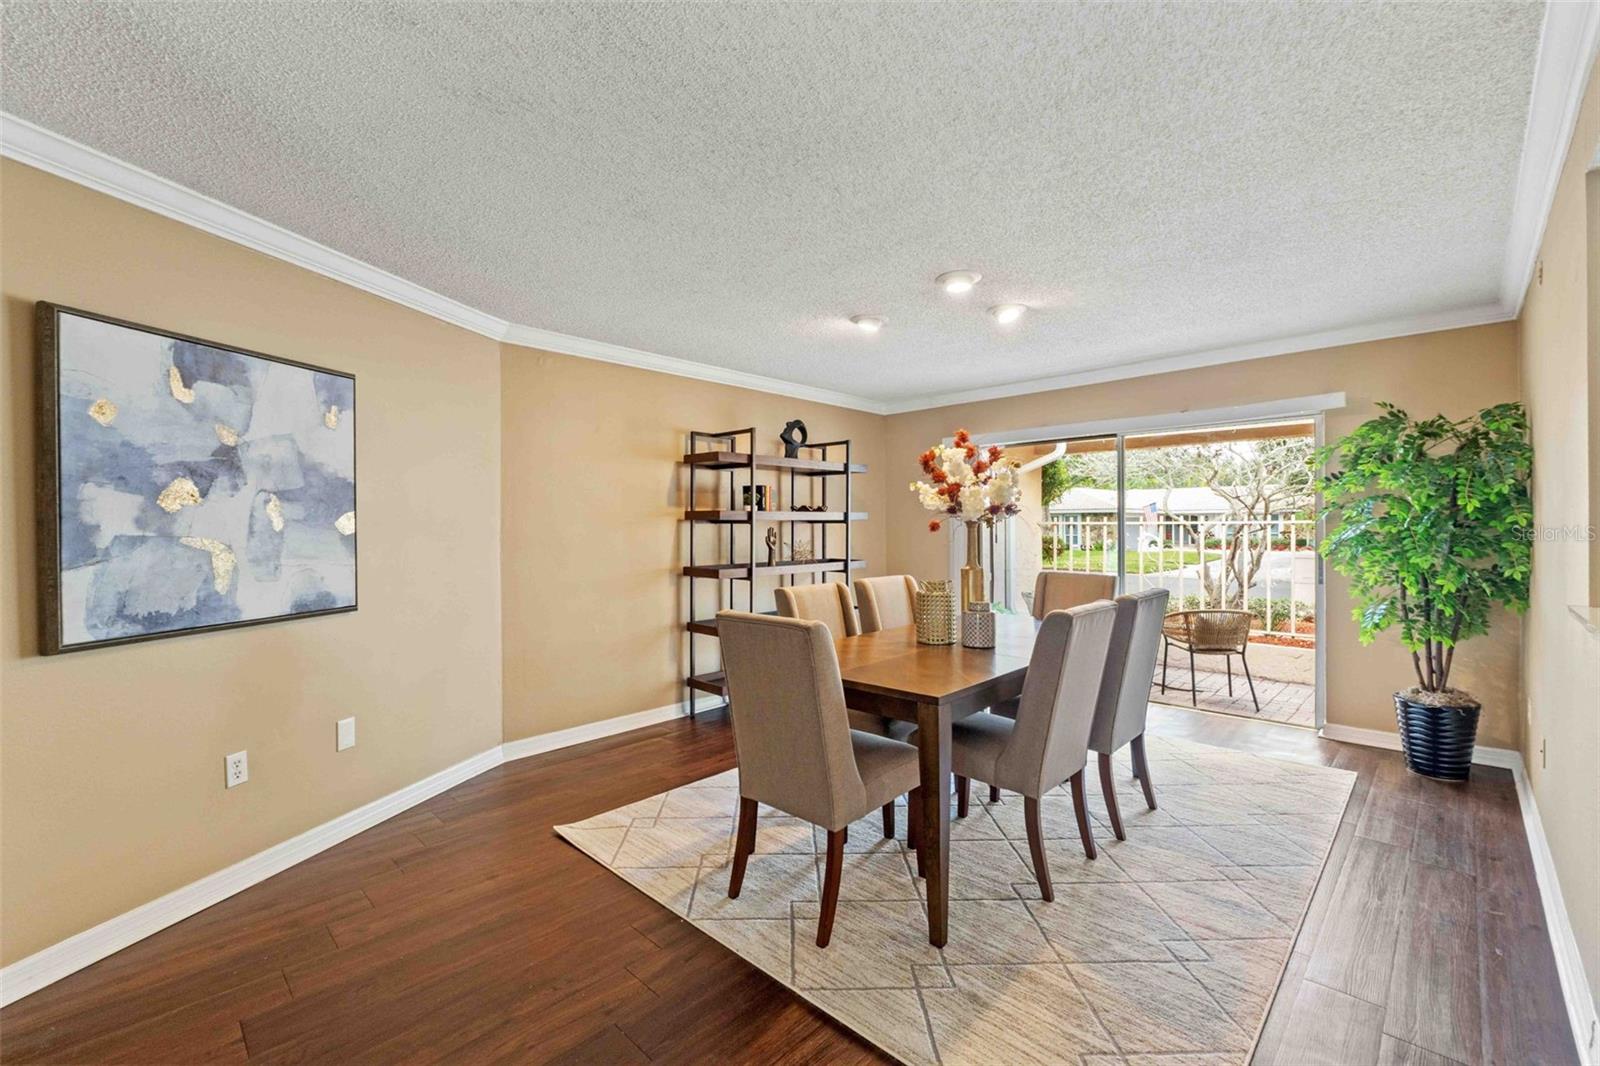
1437,741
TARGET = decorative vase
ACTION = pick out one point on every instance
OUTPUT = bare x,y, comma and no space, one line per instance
935,611
1437,741
974,587
977,627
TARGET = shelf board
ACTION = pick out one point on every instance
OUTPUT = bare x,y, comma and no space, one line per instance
744,517
708,626
801,467
715,683
738,571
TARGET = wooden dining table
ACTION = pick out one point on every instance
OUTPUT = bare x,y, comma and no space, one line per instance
933,685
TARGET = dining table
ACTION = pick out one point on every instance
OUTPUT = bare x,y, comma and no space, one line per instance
933,686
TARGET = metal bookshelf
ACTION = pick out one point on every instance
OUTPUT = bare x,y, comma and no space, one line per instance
729,457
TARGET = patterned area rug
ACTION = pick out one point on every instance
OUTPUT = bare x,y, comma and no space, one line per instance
1169,944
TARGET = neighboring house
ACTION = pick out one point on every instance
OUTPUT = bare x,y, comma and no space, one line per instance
1084,517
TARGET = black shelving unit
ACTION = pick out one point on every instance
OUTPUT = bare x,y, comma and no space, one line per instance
731,458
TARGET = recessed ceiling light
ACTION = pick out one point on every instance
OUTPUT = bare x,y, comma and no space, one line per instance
867,323
1005,314
959,282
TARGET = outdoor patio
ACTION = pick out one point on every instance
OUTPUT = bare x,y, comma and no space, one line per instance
1284,678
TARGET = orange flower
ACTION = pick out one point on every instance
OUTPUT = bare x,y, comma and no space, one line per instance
933,526
939,476
926,459
972,451
995,452
980,466
961,438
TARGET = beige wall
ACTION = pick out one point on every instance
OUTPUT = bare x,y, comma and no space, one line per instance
1561,658
593,530
1456,372
111,760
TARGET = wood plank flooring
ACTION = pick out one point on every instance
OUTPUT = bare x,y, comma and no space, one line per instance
464,930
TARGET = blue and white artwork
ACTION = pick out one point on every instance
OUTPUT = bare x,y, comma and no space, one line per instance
197,486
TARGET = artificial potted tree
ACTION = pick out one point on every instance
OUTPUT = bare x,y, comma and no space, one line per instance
1431,522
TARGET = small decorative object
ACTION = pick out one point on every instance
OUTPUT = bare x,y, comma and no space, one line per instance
803,554
935,611
760,497
772,545
977,626
1433,530
978,486
794,438
185,485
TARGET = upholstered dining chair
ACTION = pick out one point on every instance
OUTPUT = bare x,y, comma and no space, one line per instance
1060,590
886,602
1047,744
829,602
794,744
1119,713
1209,632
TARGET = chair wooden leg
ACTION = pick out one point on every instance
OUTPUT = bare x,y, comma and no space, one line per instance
994,793
963,788
1041,868
1142,765
1108,788
1080,807
888,820
744,843
914,827
830,886
1194,681
1246,663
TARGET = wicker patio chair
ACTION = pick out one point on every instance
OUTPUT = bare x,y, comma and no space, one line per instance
1210,632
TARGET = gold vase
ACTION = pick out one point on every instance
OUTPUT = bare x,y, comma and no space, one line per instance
974,589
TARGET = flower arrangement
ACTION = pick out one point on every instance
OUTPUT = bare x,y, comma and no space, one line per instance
968,483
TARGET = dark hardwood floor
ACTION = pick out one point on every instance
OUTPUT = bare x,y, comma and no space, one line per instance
465,931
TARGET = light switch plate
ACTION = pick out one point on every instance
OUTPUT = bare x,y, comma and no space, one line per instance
347,733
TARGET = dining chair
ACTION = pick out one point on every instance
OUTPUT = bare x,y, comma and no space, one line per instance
794,745
1059,590
1209,632
1047,744
829,602
886,602
1119,713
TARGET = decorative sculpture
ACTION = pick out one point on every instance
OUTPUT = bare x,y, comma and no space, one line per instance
794,438
772,545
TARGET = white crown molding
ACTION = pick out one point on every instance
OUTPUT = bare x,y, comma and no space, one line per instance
1561,73
1237,353
28,975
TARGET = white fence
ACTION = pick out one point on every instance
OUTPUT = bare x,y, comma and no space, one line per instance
1266,566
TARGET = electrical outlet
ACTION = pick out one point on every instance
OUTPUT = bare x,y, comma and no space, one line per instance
237,768
347,733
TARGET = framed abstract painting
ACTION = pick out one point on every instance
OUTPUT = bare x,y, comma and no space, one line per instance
186,485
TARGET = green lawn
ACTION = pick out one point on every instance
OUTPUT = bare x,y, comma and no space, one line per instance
1100,561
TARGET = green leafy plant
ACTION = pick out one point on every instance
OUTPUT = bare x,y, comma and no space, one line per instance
1431,524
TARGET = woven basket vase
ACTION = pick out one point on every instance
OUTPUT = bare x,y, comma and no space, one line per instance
977,627
937,611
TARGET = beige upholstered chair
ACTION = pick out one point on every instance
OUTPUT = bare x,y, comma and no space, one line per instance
886,602
829,603
1119,713
1209,632
1060,590
794,743
1048,743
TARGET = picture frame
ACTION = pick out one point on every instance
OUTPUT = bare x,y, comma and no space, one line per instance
185,485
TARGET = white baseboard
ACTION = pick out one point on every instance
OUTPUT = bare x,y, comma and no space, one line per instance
1569,962
28,975
578,734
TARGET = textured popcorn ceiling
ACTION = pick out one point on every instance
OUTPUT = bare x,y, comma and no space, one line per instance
728,183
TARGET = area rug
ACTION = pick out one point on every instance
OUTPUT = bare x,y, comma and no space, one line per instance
1171,943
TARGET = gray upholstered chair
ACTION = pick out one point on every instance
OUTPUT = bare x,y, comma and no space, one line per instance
1061,590
886,602
1124,701
829,602
1048,742
794,743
